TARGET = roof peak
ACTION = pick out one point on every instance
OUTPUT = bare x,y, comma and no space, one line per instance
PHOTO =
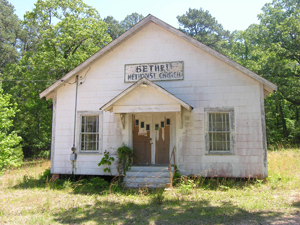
269,86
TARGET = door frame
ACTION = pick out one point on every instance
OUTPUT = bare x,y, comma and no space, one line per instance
169,115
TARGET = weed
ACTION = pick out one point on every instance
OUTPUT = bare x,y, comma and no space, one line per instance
176,177
125,156
106,160
186,185
158,196
29,197
94,185
224,188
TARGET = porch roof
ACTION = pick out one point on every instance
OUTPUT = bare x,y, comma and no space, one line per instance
145,96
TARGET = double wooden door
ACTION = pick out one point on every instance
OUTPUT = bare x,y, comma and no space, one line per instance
152,138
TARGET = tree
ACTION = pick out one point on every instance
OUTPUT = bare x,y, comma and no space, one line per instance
10,28
200,25
271,48
131,20
280,27
114,29
10,148
62,35
78,33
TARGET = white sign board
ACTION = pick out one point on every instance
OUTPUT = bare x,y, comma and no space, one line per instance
154,71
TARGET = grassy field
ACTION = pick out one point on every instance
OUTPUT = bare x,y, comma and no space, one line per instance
28,197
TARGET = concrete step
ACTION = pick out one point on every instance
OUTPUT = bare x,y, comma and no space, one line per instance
151,168
147,179
149,185
147,174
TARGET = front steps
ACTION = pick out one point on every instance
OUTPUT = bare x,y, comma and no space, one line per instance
147,176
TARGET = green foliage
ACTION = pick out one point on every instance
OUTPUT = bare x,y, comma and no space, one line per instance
200,25
158,196
94,185
116,28
177,176
43,155
60,35
186,185
10,30
89,185
10,148
106,160
131,20
214,201
271,49
125,158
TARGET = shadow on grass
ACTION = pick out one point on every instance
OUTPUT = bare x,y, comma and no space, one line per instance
96,184
174,211
170,212
77,184
296,203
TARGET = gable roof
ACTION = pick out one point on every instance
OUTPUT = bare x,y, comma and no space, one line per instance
108,106
268,86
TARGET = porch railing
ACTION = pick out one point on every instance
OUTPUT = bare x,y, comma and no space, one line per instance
170,167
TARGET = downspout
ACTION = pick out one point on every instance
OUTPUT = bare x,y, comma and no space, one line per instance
73,149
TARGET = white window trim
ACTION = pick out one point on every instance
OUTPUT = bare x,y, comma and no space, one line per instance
229,110
79,121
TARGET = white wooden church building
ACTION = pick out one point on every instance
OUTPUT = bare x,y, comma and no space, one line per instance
155,88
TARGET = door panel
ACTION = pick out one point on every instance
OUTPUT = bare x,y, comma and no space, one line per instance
141,139
162,140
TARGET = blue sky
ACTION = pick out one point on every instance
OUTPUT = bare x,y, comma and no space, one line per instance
232,14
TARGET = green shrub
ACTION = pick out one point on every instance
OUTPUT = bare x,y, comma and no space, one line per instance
125,161
186,185
106,160
176,177
11,154
43,154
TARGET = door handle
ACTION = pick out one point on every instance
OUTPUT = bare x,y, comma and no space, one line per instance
151,141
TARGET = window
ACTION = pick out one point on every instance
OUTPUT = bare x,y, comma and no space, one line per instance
219,131
89,132
148,127
89,135
156,126
168,122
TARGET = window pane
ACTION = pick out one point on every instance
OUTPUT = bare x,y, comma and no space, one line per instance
90,133
219,132
90,124
219,122
89,142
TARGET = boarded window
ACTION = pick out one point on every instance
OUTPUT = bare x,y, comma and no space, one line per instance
89,133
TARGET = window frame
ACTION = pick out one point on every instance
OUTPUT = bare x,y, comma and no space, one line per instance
80,115
230,111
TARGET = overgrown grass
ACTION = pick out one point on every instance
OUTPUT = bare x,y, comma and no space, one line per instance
28,196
